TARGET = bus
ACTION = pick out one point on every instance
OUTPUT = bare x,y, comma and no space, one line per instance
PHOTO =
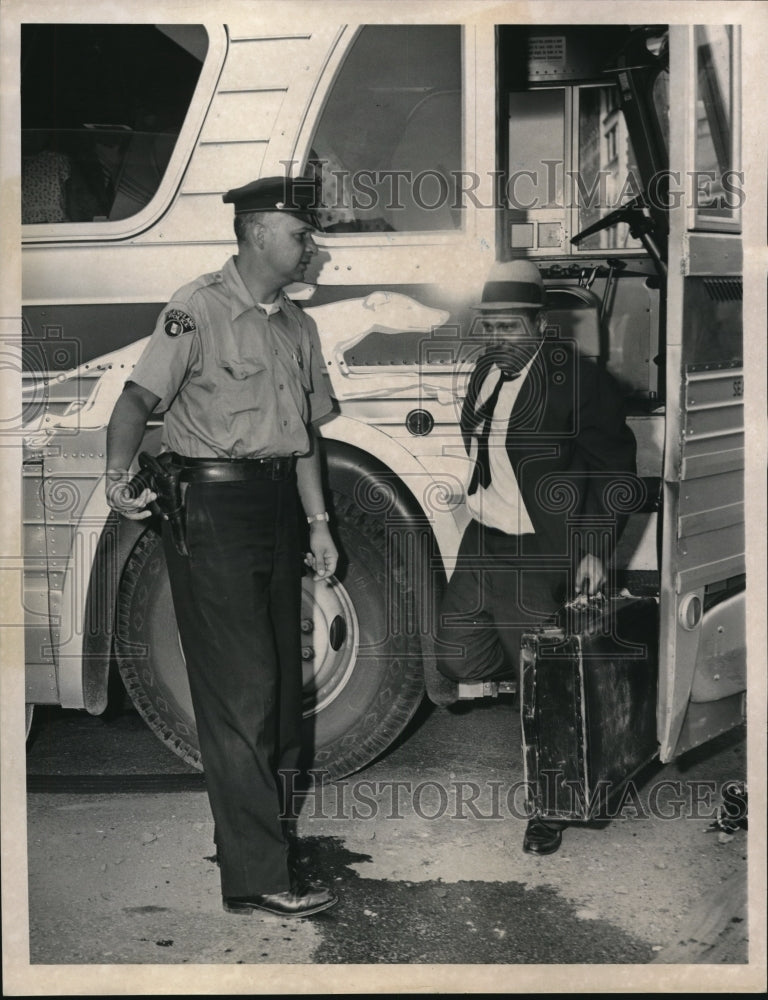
609,155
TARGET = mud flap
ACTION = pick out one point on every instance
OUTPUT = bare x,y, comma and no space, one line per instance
588,706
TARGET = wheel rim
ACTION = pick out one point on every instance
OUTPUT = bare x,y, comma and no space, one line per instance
330,637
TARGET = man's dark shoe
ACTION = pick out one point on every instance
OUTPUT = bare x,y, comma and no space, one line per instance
297,902
441,690
542,837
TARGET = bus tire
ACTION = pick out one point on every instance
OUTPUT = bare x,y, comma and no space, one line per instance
363,673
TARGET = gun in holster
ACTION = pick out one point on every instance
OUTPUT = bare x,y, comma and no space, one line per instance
163,477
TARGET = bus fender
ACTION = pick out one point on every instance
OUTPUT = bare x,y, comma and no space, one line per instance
367,459
118,539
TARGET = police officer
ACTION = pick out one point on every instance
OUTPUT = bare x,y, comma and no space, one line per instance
235,367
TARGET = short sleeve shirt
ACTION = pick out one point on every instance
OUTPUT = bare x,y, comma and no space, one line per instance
233,381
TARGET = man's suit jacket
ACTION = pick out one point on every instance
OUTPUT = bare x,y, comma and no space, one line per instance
569,445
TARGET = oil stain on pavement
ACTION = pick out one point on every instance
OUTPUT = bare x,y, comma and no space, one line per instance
465,922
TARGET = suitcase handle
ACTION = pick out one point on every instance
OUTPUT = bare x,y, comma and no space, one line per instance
581,601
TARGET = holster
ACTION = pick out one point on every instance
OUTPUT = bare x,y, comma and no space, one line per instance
163,476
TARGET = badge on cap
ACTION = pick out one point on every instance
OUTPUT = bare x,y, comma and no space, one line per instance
178,322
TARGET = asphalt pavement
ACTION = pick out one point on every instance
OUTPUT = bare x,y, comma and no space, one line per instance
423,847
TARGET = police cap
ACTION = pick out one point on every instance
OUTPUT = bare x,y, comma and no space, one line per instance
296,196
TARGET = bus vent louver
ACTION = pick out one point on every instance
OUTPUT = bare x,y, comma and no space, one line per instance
724,289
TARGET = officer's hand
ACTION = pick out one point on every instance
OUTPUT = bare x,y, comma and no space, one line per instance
323,555
124,499
590,577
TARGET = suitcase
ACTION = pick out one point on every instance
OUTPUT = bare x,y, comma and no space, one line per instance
588,705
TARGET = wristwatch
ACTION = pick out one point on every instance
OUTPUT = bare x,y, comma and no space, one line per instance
318,517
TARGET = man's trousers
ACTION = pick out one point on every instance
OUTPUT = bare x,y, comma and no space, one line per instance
237,598
502,585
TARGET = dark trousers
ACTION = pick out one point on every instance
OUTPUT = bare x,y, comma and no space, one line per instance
237,599
501,586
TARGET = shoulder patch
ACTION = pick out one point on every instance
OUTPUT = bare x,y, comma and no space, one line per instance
176,322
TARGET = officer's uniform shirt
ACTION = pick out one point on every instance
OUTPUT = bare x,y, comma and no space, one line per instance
235,379
500,505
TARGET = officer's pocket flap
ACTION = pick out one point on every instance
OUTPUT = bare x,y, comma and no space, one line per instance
241,368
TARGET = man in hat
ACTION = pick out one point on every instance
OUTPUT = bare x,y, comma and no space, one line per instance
236,369
546,435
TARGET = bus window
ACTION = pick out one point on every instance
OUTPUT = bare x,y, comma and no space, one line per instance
715,149
387,147
570,162
101,110
607,169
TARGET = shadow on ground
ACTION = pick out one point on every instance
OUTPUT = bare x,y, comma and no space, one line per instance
466,922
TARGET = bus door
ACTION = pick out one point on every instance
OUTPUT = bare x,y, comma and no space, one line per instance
702,572
579,146
666,263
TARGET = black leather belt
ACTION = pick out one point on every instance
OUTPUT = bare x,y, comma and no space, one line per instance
222,470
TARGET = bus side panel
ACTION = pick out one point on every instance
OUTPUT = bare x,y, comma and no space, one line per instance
703,547
706,543
251,127
39,601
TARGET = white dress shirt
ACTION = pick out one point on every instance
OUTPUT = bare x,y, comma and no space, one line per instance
500,505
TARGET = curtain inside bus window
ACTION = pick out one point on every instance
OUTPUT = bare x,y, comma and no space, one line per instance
387,147
536,161
536,149
607,174
101,110
714,152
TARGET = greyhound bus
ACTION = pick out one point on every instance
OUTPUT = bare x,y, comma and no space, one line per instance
606,154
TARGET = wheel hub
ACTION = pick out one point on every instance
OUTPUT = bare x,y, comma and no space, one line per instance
329,641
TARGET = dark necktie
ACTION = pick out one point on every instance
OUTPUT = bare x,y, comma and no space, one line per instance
481,475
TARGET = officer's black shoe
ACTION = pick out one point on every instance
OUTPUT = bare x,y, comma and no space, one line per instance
302,901
542,837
